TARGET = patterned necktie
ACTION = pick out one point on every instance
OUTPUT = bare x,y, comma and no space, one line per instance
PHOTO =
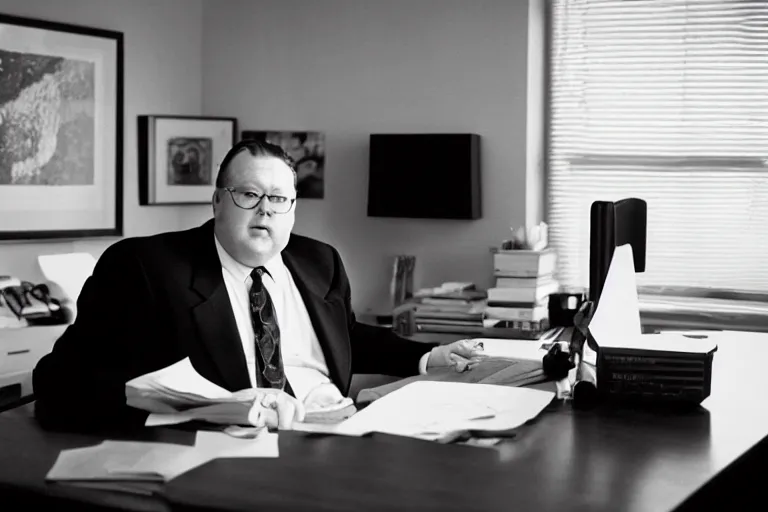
267,333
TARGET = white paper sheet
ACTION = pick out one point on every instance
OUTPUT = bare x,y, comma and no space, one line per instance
617,317
518,350
222,445
69,271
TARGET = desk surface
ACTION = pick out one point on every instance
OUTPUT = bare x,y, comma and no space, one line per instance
606,459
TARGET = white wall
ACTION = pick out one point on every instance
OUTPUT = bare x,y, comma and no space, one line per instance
162,75
353,67
348,68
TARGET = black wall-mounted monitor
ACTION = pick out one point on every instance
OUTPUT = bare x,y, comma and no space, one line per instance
424,176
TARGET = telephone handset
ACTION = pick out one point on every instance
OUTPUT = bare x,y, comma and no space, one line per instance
30,302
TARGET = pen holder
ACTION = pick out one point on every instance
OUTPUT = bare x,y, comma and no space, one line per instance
564,305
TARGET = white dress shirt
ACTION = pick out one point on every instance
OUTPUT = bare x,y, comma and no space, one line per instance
303,359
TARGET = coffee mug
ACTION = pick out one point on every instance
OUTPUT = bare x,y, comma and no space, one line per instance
564,305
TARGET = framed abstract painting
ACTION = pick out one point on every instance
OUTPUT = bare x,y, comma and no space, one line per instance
61,130
179,157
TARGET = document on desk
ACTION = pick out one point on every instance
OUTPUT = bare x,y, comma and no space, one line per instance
222,445
492,370
126,460
439,411
131,461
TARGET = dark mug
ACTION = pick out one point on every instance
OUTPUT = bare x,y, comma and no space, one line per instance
563,306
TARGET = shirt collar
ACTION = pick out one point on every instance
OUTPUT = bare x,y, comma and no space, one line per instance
243,272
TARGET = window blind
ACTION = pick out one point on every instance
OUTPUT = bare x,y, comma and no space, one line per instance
665,100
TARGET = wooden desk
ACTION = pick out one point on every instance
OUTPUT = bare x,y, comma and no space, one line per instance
605,459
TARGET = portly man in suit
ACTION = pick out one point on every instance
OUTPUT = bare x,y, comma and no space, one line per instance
258,310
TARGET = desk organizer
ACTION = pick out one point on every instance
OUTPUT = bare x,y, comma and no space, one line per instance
654,375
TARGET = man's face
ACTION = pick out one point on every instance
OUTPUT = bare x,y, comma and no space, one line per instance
254,236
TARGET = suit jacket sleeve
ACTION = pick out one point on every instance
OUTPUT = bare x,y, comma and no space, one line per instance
80,384
377,349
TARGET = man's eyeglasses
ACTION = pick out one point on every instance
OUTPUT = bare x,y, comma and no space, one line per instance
248,200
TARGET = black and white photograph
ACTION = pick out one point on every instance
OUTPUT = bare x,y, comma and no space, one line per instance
189,161
60,130
307,150
179,157
435,255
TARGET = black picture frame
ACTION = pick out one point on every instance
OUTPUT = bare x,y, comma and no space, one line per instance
199,142
61,144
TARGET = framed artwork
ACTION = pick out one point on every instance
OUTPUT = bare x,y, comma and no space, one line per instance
308,152
179,157
61,130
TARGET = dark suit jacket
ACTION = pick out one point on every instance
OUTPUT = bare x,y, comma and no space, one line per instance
155,300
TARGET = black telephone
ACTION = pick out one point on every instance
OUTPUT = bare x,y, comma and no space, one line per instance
31,302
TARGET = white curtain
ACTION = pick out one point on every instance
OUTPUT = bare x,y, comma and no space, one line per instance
665,100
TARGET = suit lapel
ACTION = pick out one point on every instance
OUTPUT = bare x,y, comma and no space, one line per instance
214,317
325,313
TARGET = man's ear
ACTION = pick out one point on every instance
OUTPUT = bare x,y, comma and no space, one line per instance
215,200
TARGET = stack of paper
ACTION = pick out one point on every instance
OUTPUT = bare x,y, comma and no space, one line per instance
176,387
178,393
131,461
442,411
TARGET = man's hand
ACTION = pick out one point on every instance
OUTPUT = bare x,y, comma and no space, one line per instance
275,408
462,355
268,407
322,396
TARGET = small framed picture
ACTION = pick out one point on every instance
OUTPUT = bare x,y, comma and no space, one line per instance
179,157
307,149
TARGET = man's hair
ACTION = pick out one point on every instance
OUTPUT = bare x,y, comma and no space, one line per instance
256,148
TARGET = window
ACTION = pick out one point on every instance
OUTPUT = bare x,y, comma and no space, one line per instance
665,100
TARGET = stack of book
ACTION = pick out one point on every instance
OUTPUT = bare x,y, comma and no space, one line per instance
519,303
451,308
